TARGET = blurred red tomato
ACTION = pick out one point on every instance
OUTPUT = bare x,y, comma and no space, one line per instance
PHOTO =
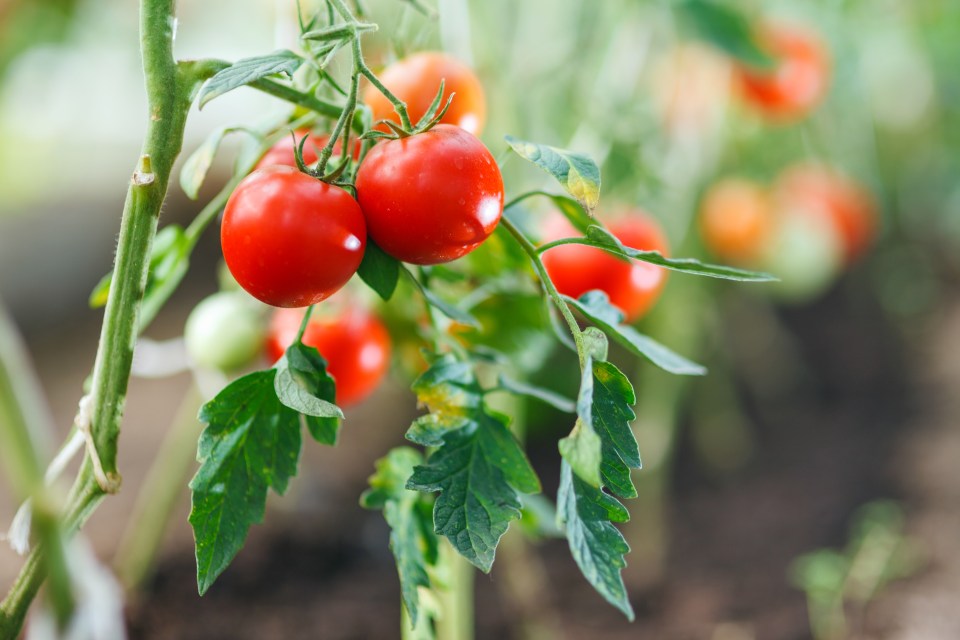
825,191
799,78
353,341
632,286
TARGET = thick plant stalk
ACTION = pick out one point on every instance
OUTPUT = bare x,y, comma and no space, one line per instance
170,91
456,620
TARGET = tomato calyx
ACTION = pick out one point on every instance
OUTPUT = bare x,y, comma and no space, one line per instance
430,119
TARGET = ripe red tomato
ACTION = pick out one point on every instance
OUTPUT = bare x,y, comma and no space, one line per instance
736,219
632,286
416,80
354,343
282,152
824,191
289,239
799,79
432,197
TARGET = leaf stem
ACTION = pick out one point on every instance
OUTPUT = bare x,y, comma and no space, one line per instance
529,248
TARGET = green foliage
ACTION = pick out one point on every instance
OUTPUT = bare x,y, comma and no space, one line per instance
586,515
595,307
196,166
251,443
478,466
576,172
379,271
412,540
726,28
243,72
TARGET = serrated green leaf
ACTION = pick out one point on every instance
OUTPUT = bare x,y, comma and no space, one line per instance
725,28
478,471
303,384
195,168
586,515
243,72
379,271
582,450
411,539
601,238
613,397
555,400
576,172
478,467
251,442
596,307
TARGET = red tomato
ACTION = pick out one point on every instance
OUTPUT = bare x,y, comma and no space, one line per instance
289,239
736,219
432,197
354,343
416,80
632,286
824,191
282,152
799,79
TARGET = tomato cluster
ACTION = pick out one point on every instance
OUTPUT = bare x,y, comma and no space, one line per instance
632,286
804,228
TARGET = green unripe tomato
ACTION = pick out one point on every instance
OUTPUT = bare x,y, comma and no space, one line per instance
225,331
806,254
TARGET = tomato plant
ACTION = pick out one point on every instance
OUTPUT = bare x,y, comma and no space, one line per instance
431,197
283,152
289,239
633,287
354,342
799,78
416,80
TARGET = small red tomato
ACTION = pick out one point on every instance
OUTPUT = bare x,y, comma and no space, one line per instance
632,286
736,220
354,343
289,239
282,152
799,78
432,197
823,190
416,80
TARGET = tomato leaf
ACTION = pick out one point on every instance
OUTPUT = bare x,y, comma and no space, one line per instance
195,168
583,448
303,384
576,172
379,271
725,28
596,307
586,515
599,237
412,540
169,261
243,72
555,400
251,442
574,212
479,468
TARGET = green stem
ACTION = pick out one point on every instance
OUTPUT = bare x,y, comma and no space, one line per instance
548,285
456,601
170,92
348,110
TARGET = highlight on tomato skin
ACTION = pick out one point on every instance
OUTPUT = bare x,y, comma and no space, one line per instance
632,285
799,78
736,220
416,81
827,192
276,245
432,197
353,341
